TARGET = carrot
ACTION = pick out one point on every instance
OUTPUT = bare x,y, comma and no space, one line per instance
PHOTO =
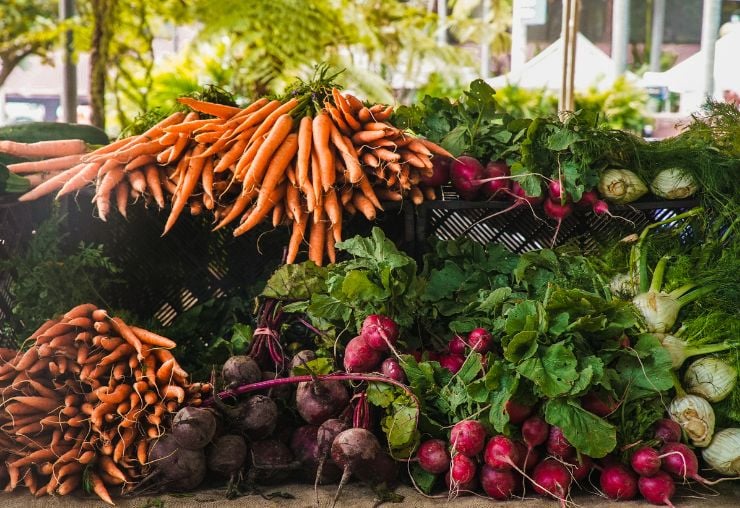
316,241
192,177
29,358
141,451
152,338
231,156
29,480
101,327
364,115
60,341
434,148
296,237
45,166
338,121
241,203
272,143
116,396
369,193
209,108
52,184
37,457
164,373
99,488
346,109
293,203
69,484
99,314
277,214
110,343
429,193
364,205
386,155
187,127
174,392
354,103
259,212
367,137
330,250
275,173
151,175
257,117
304,150
333,211
82,310
266,125
44,149
137,180
383,114
321,128
41,329
307,189
117,354
417,197
150,398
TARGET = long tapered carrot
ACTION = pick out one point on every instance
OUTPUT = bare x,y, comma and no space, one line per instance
322,125
369,193
52,184
152,133
266,125
242,202
190,180
188,126
337,119
128,335
346,108
364,205
85,176
152,177
122,193
258,213
99,488
317,241
434,148
152,338
246,157
44,149
274,139
231,156
57,163
238,118
305,143
256,117
137,180
206,181
293,203
275,173
296,237
348,155
331,237
209,108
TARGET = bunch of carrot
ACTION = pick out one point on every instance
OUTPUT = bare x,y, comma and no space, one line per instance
84,402
55,157
271,161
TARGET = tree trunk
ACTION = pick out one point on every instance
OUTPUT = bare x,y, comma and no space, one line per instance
103,11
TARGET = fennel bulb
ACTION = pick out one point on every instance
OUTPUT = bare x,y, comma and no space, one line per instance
674,183
621,186
723,453
710,378
695,416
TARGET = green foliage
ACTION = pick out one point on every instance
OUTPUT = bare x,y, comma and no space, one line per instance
50,276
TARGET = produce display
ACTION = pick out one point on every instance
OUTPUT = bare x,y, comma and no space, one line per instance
468,370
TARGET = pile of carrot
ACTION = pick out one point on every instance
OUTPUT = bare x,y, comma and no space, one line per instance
270,161
84,402
55,157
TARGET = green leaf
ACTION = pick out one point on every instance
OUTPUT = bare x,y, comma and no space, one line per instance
470,369
561,139
424,480
589,434
400,427
328,307
456,141
645,371
241,338
357,286
381,394
521,346
296,282
553,369
494,299
501,384
317,366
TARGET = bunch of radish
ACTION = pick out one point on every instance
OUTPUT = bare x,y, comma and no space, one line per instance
478,340
368,352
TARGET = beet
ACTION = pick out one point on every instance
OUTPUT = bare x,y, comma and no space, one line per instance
588,199
468,437
227,455
240,370
276,392
318,401
440,171
618,482
193,428
258,417
462,469
179,468
325,436
305,448
453,363
271,462
433,456
380,332
391,368
301,358
480,340
557,445
358,452
465,173
360,357
502,453
680,461
498,484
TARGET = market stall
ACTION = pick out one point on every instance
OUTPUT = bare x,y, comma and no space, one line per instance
446,298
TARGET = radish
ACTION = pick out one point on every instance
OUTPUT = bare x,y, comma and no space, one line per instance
502,453
599,404
550,477
462,469
360,357
618,482
440,172
517,412
601,208
528,458
433,456
645,461
535,431
453,363
457,345
391,368
468,437
499,484
461,488
495,181
520,195
480,340
465,173
555,189
667,431
657,489
557,445
588,199
379,332
681,462
558,212
582,469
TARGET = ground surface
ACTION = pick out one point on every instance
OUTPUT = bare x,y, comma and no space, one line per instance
355,496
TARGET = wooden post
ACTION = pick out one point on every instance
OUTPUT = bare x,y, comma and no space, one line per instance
69,69
569,38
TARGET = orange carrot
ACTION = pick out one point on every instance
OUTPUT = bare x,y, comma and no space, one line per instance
241,203
44,149
296,237
209,108
82,310
52,184
45,166
434,148
257,117
109,181
387,155
318,193
321,129
275,173
316,241
122,192
190,180
152,338
37,457
267,124
364,115
174,392
99,488
304,150
273,141
364,205
141,451
337,119
293,202
369,193
345,107
367,137
152,177
259,212
207,181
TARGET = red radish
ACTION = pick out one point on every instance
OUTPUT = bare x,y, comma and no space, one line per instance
583,468
496,181
599,404
625,343
681,462
457,345
667,431
391,368
462,469
517,412
360,357
465,173
601,208
520,195
453,363
618,482
558,212
440,172
527,458
380,332
535,431
657,489
468,437
502,453
433,456
557,445
499,484
459,488
588,199
646,461
550,477
480,340
555,189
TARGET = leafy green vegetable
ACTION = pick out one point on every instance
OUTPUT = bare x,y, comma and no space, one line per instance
587,432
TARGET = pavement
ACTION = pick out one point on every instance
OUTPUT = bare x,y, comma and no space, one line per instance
727,495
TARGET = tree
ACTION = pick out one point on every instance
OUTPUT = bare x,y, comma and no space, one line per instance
27,27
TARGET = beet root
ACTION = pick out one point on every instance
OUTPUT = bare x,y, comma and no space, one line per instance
318,401
257,417
305,448
179,468
193,428
240,370
271,462
227,455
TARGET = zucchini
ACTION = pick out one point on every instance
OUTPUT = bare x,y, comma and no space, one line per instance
50,131
10,182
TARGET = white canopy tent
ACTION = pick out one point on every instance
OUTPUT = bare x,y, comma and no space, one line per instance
687,78
593,67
